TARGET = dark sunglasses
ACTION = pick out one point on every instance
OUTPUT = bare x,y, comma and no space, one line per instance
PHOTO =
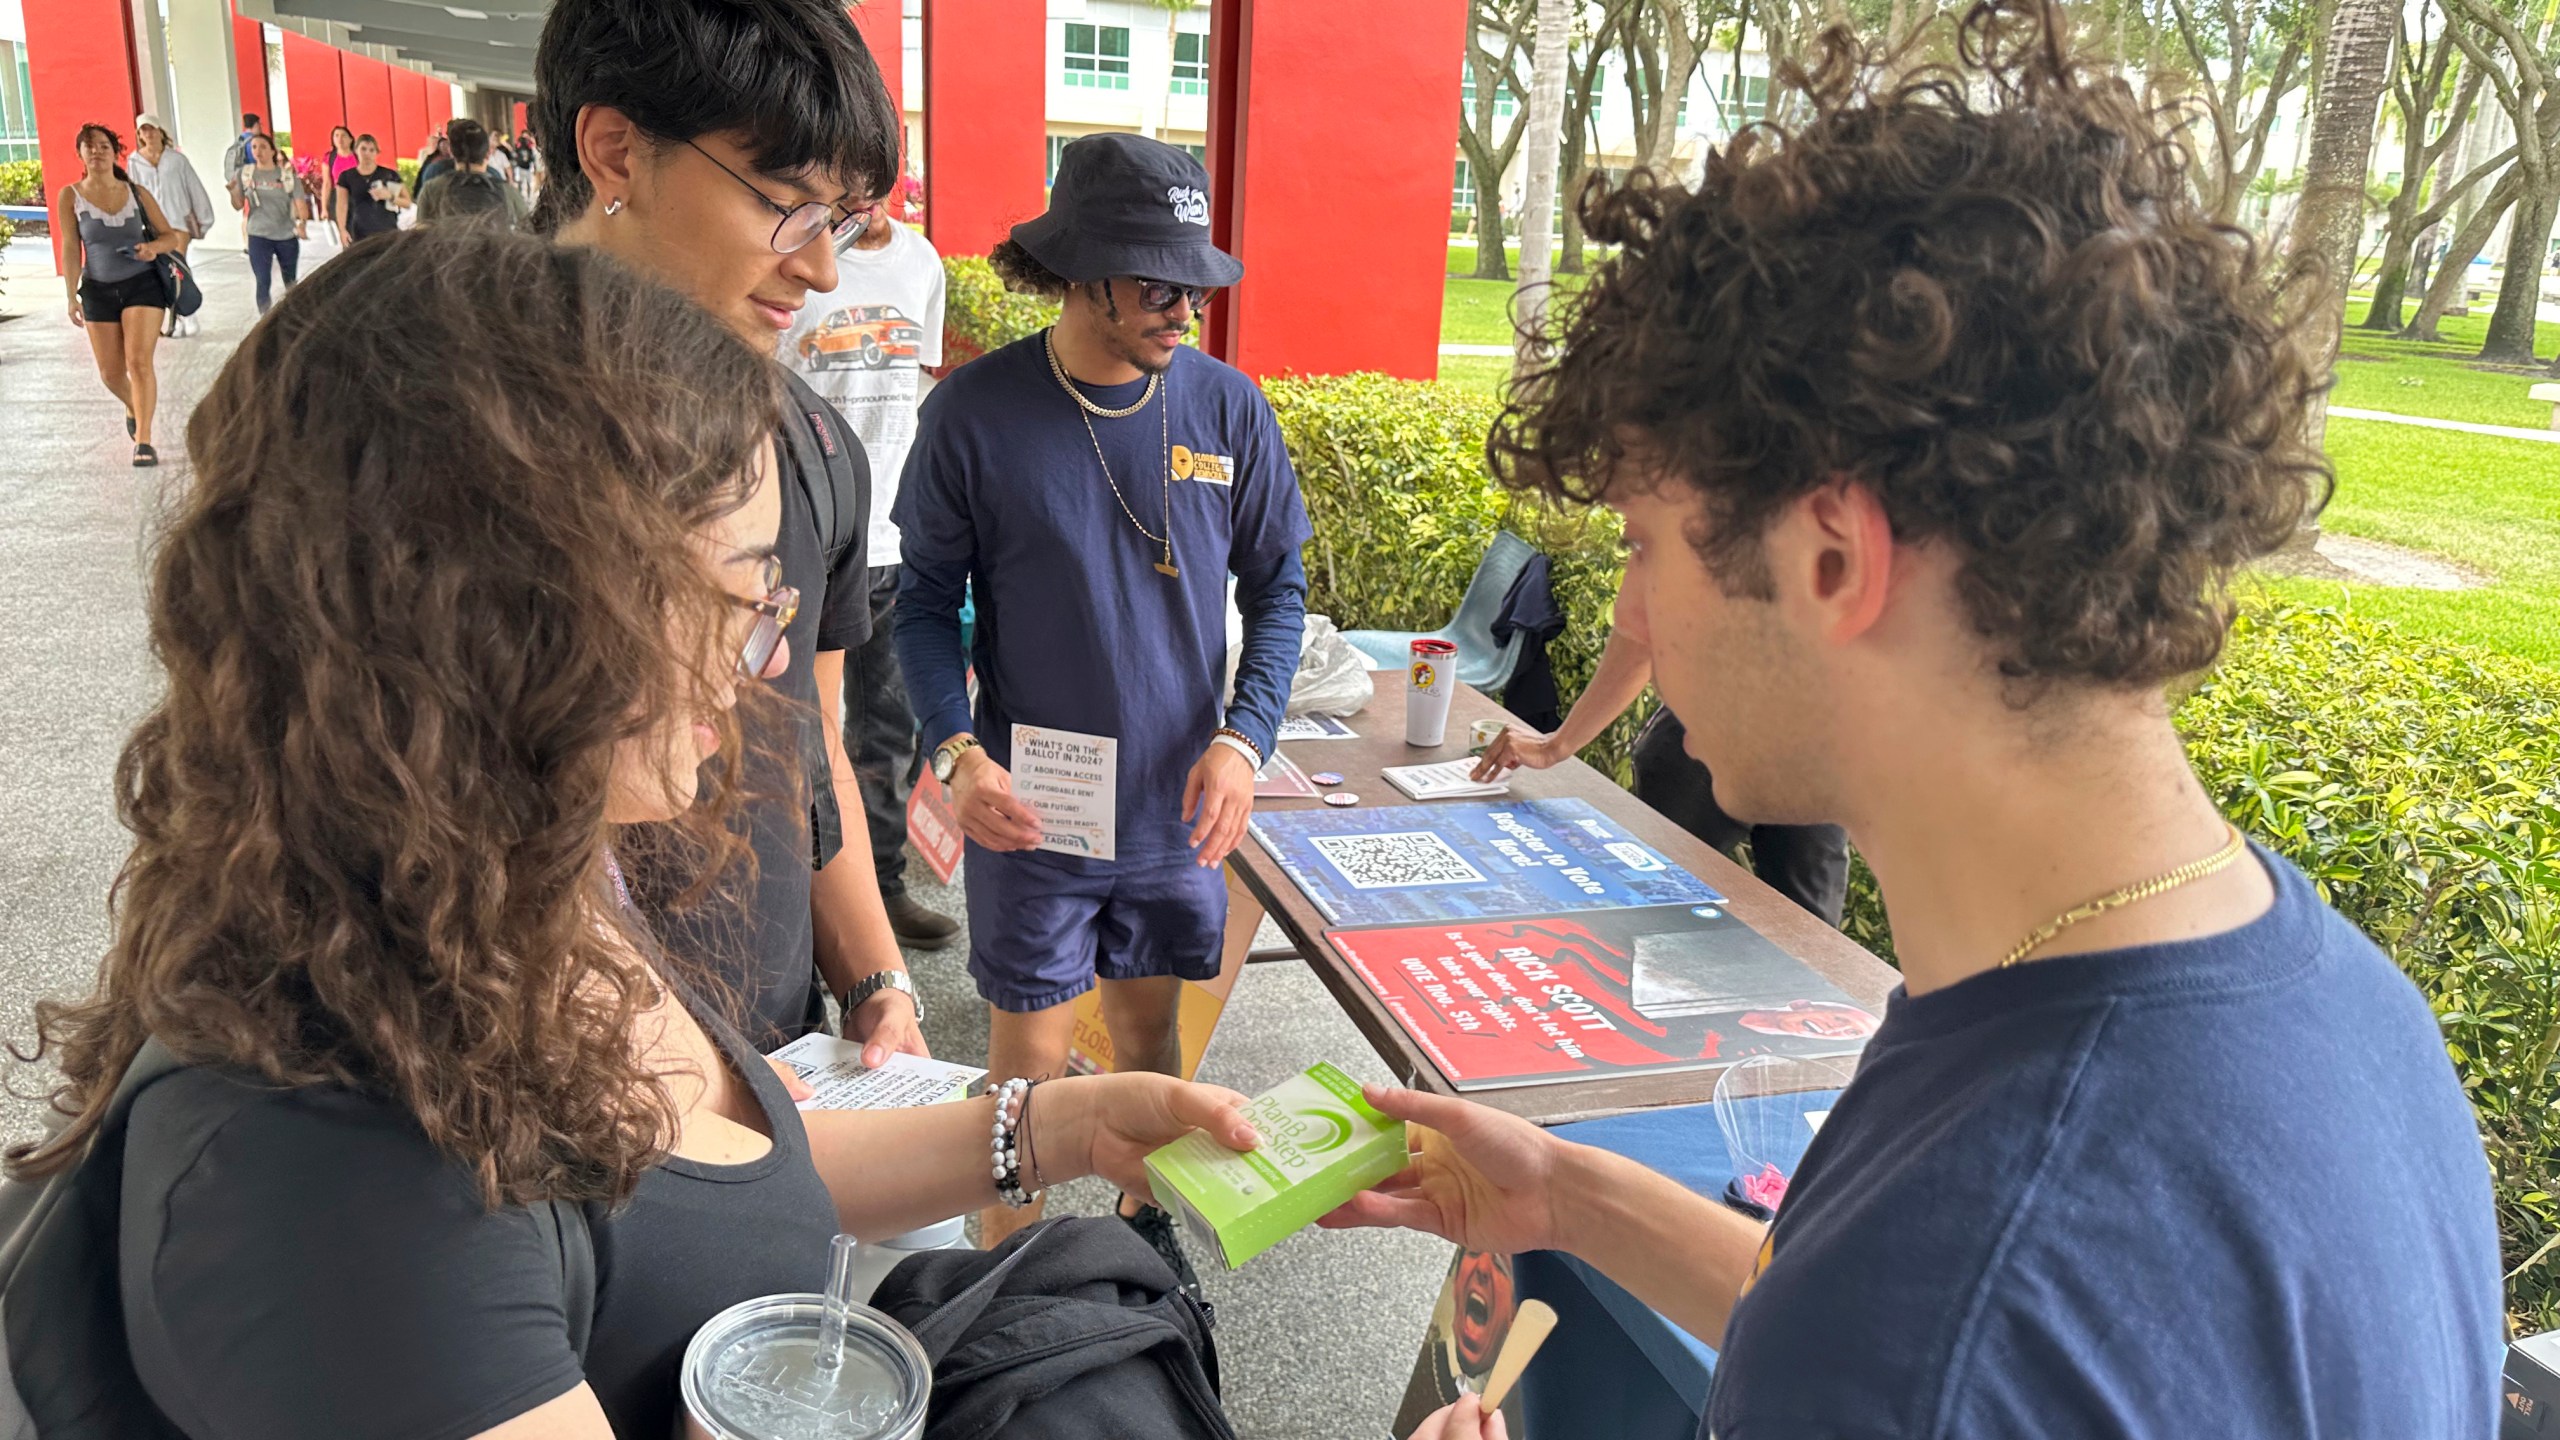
1157,296
800,224
774,614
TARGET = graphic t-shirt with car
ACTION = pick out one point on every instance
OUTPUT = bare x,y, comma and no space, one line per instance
865,345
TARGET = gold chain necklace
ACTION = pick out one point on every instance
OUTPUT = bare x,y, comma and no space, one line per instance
2117,900
1164,421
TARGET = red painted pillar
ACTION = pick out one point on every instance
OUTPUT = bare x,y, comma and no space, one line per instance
516,110
314,90
249,53
985,124
369,107
408,109
885,31
439,104
1304,125
80,60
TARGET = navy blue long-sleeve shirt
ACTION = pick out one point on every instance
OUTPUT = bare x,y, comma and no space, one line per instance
1076,628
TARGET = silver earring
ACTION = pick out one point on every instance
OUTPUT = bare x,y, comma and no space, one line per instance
613,206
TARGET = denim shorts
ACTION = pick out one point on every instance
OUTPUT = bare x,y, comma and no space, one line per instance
1040,933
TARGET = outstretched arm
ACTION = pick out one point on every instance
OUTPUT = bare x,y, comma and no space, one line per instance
1626,667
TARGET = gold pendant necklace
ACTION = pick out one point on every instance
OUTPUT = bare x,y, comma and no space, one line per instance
1164,421
2116,900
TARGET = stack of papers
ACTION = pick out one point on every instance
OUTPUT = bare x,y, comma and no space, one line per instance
835,1070
1448,780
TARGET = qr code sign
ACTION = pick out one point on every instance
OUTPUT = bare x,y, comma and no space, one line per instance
1393,862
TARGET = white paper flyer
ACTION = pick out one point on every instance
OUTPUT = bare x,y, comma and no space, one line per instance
1072,782
834,1069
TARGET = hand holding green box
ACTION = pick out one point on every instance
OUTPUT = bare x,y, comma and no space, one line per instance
1321,1144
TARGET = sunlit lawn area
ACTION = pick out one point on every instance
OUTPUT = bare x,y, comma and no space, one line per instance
2490,503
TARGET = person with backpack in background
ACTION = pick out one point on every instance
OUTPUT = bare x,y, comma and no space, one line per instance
468,191
274,211
239,155
727,147
429,1134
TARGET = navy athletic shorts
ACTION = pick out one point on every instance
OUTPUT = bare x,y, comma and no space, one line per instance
1040,931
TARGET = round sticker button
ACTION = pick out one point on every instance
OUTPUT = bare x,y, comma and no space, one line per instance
1342,797
1325,777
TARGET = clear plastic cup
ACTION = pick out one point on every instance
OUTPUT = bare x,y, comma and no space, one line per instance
753,1372
1430,680
1769,1107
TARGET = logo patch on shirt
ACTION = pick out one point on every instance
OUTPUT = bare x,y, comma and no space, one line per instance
1208,469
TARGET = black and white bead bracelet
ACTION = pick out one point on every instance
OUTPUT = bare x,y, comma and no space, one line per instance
1013,1102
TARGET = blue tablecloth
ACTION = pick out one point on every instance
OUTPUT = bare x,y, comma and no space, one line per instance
1614,1367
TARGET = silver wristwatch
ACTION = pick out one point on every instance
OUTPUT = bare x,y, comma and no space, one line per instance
879,980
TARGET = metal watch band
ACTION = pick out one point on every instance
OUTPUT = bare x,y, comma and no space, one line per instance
879,980
946,756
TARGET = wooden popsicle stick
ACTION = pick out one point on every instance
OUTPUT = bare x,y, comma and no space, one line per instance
1529,1330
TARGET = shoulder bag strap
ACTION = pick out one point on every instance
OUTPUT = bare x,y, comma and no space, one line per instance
943,1329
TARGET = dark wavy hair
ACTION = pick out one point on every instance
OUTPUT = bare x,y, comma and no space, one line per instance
115,142
1981,289
436,562
792,76
1025,275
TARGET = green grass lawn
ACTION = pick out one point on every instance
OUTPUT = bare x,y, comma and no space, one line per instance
2443,381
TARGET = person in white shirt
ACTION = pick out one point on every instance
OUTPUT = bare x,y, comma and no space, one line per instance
867,345
159,166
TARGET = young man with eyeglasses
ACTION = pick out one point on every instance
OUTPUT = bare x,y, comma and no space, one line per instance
729,147
1097,484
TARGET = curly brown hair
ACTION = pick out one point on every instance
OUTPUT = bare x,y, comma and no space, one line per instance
1024,275
434,566
1981,289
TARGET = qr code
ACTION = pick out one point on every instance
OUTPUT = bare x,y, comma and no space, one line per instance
1392,862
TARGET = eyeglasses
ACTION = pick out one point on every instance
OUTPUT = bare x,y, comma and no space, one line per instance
774,614
803,223
1158,296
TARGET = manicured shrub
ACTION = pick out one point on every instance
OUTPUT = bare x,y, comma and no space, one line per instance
980,315
22,183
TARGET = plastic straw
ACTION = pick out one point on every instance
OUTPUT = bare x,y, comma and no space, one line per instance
840,1302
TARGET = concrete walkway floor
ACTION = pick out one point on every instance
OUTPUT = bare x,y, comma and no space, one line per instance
1315,1339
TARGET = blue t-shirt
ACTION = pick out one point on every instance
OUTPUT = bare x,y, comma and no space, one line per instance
1076,628
2224,1187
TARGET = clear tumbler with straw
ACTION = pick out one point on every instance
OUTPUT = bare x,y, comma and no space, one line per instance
806,1367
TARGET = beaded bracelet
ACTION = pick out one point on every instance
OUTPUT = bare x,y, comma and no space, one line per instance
1004,1151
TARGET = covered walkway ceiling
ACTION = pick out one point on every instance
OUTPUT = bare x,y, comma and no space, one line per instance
491,48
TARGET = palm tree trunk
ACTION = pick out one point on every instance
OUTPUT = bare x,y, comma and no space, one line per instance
1539,154
2458,256
2330,215
2510,336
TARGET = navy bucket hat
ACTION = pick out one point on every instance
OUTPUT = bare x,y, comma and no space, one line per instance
1127,205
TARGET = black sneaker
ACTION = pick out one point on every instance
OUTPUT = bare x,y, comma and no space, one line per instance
1156,1227
917,927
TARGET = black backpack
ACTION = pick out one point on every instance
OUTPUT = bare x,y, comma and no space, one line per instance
1072,1329
470,194
825,449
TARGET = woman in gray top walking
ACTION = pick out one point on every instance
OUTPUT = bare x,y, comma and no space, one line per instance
110,231
272,205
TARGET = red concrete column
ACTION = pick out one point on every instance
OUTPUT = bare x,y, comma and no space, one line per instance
369,104
439,104
314,90
408,109
80,60
885,31
1304,125
249,53
985,125
517,123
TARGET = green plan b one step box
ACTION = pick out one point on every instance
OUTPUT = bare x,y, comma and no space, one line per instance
1321,1144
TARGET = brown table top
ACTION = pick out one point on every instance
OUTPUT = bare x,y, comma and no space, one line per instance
1380,744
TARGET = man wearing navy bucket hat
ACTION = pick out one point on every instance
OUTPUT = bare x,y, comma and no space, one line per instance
1098,484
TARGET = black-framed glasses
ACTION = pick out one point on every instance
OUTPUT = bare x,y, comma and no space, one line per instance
774,614
802,223
1157,296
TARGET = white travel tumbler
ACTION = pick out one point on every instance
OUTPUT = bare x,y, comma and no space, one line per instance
1429,679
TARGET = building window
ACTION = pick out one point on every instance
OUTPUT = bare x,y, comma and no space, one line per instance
17,105
1199,153
1057,144
1504,102
1190,63
1754,107
1098,56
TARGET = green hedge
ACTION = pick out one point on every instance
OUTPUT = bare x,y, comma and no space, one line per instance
2416,782
22,182
979,314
